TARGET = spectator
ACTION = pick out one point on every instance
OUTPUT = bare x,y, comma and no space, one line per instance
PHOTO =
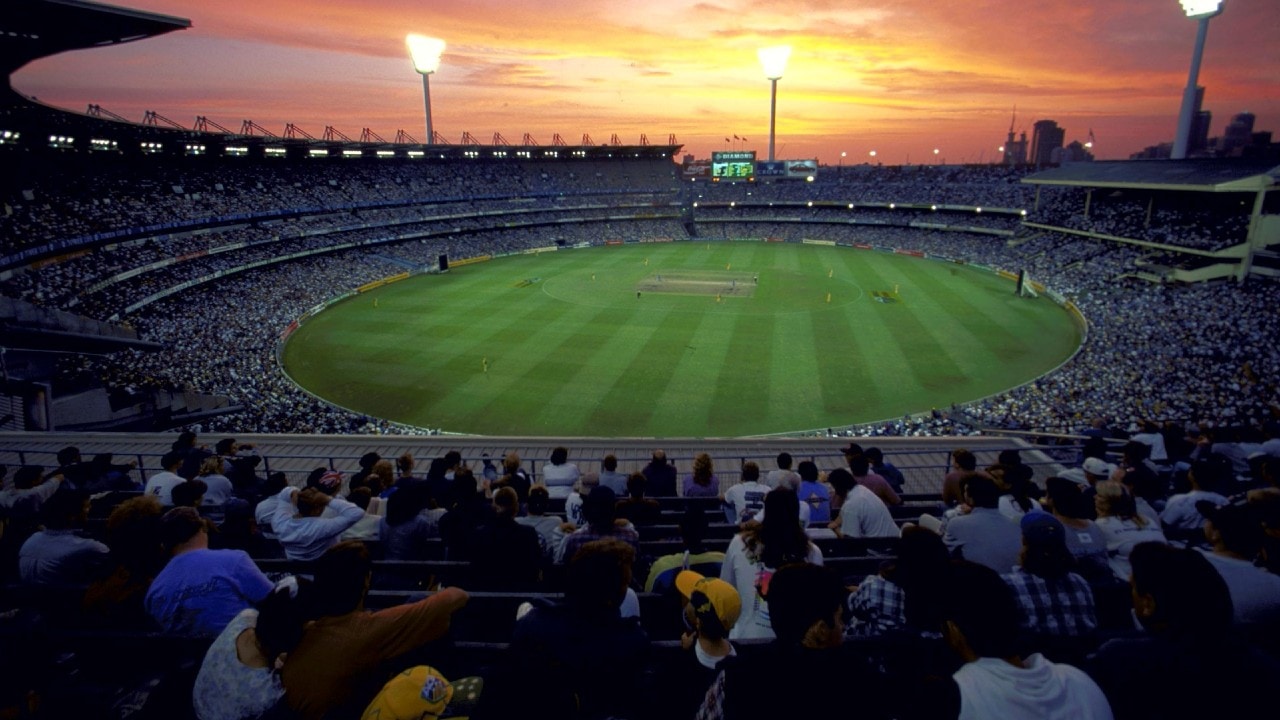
361,477
409,524
576,499
162,483
702,482
189,494
711,608
559,475
138,555
695,556
636,508
983,535
469,511
814,493
757,552
316,683
875,458
966,465
30,488
1235,538
200,590
862,512
611,478
1054,600
1206,477
218,488
506,555
549,527
300,528
903,596
367,527
661,475
58,555
1122,526
744,500
600,512
861,470
1068,503
515,477
782,474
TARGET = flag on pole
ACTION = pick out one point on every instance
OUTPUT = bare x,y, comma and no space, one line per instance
744,139
726,139
735,137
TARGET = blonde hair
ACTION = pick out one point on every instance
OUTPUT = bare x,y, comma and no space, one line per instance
1113,499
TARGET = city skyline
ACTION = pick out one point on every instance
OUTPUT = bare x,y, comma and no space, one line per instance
901,79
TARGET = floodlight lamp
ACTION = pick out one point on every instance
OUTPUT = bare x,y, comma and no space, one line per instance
774,60
1197,9
425,52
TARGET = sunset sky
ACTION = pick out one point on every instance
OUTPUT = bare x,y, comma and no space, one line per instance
898,77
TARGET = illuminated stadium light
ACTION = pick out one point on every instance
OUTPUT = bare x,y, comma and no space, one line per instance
236,150
1024,213
386,153
416,153
318,152
933,207
809,179
425,53
195,149
810,203
892,205
774,61
499,153
100,144
61,141
977,210
1201,11
351,153
550,153
150,148
579,153
274,152
695,203
850,206
9,137
733,204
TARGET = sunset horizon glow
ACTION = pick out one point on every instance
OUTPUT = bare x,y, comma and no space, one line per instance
899,79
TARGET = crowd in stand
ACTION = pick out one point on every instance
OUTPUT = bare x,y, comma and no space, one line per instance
1088,593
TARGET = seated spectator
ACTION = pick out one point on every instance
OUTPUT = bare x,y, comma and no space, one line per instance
266,508
1235,538
982,534
506,555
1188,663
600,512
695,556
966,465
815,494
782,474
189,494
611,478
240,675
806,616
637,508
861,470
1070,505
661,475
1054,600
559,475
1019,495
702,482
549,527
138,555
757,552
367,527
901,596
58,554
1122,526
340,662
30,487
301,530
711,607
875,458
361,476
980,623
862,512
162,483
423,693
574,502
745,499
200,590
1206,477
470,510
579,656
515,477
239,464
409,523
218,488
239,531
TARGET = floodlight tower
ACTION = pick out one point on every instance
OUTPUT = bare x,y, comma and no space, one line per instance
1201,10
425,53
774,61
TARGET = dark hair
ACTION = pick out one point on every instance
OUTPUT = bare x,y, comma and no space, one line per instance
133,534
559,456
784,461
599,507
1022,490
63,508
341,575
187,493
282,616
841,481
362,496
636,483
783,539
506,502
800,595
921,571
982,491
1068,499
750,472
276,482
598,575
369,459
1009,457
404,463
224,446
1212,473
807,470
859,466
874,456
186,440
27,476
171,458
610,463
1048,559
983,608
693,528
1190,595
539,500
464,487
68,455
406,502
965,460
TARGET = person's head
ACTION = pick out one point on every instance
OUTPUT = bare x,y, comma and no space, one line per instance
979,613
921,570
1066,498
874,456
587,483
808,471
66,508
360,497
659,458
225,446
1135,452
405,464
1210,474
1114,500
1233,528
506,503
368,460
1178,591
182,528
636,483
780,532
980,491
750,472
172,460
326,481
599,508
841,481
189,494
713,604
133,534
27,477
806,606
858,466
69,455
385,473
964,459
511,463
559,456
599,574
342,578
539,500
1096,470
465,488
610,463
852,450
186,441
1044,546
311,502
407,502
276,482
211,465
784,461
1009,457
282,617
702,469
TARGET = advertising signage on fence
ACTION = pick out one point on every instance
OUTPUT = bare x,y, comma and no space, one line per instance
802,169
766,169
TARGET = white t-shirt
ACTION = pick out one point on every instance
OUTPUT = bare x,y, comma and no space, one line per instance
161,485
749,576
864,514
559,479
746,498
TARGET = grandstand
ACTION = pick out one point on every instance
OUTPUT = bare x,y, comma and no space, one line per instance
147,272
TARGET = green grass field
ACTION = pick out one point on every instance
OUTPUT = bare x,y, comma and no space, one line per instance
677,340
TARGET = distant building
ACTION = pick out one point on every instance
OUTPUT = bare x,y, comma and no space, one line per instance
1238,133
1076,152
1015,151
1198,143
1045,138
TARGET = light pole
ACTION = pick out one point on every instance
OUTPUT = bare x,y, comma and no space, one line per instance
425,52
1201,10
774,61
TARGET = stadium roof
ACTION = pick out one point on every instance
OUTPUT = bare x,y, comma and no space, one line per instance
31,29
1187,175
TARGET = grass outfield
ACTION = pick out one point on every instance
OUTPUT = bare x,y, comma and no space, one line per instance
724,339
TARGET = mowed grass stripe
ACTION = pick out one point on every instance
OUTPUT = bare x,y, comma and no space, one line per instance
684,407
739,400
626,405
